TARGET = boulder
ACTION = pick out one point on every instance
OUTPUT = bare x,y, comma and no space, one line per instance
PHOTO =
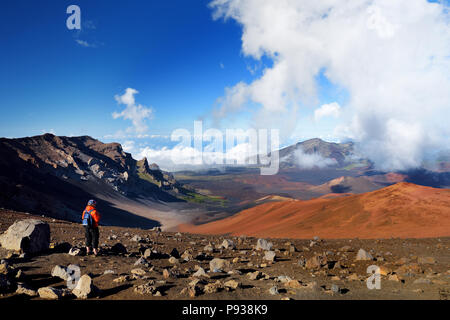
363,255
269,256
316,262
169,274
208,248
294,284
148,253
119,248
142,262
23,289
233,284
30,236
263,244
273,290
218,265
173,260
187,256
49,293
146,288
346,249
254,275
228,244
84,288
136,238
138,271
283,279
60,272
200,273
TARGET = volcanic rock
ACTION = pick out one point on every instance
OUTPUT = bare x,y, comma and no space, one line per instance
30,236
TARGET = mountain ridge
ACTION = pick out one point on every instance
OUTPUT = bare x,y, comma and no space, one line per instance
57,174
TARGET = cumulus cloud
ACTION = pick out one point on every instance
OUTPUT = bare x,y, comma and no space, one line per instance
138,114
327,110
129,146
312,160
392,57
184,157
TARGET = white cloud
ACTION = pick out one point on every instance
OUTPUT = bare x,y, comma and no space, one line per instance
392,57
84,43
129,146
183,157
327,110
312,160
138,114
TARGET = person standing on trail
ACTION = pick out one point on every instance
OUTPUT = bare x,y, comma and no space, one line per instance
91,218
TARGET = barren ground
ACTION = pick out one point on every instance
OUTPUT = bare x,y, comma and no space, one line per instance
435,277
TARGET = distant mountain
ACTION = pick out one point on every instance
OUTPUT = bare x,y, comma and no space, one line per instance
56,176
337,153
402,210
309,169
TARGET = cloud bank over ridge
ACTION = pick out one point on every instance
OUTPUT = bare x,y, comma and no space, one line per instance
393,58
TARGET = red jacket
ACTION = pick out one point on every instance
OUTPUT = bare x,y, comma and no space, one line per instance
95,215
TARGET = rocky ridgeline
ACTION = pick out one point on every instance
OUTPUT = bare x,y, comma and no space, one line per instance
87,159
154,264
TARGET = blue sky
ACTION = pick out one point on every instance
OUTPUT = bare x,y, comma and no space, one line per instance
171,54
181,61
174,53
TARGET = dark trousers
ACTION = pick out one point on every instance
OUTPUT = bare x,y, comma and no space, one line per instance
92,236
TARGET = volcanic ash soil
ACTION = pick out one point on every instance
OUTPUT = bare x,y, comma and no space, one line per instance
149,264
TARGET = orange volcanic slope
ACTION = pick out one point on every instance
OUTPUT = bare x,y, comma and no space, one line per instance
402,210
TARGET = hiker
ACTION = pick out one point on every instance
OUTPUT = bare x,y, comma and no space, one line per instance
90,218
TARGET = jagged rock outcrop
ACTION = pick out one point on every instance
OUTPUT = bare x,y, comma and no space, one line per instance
55,175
